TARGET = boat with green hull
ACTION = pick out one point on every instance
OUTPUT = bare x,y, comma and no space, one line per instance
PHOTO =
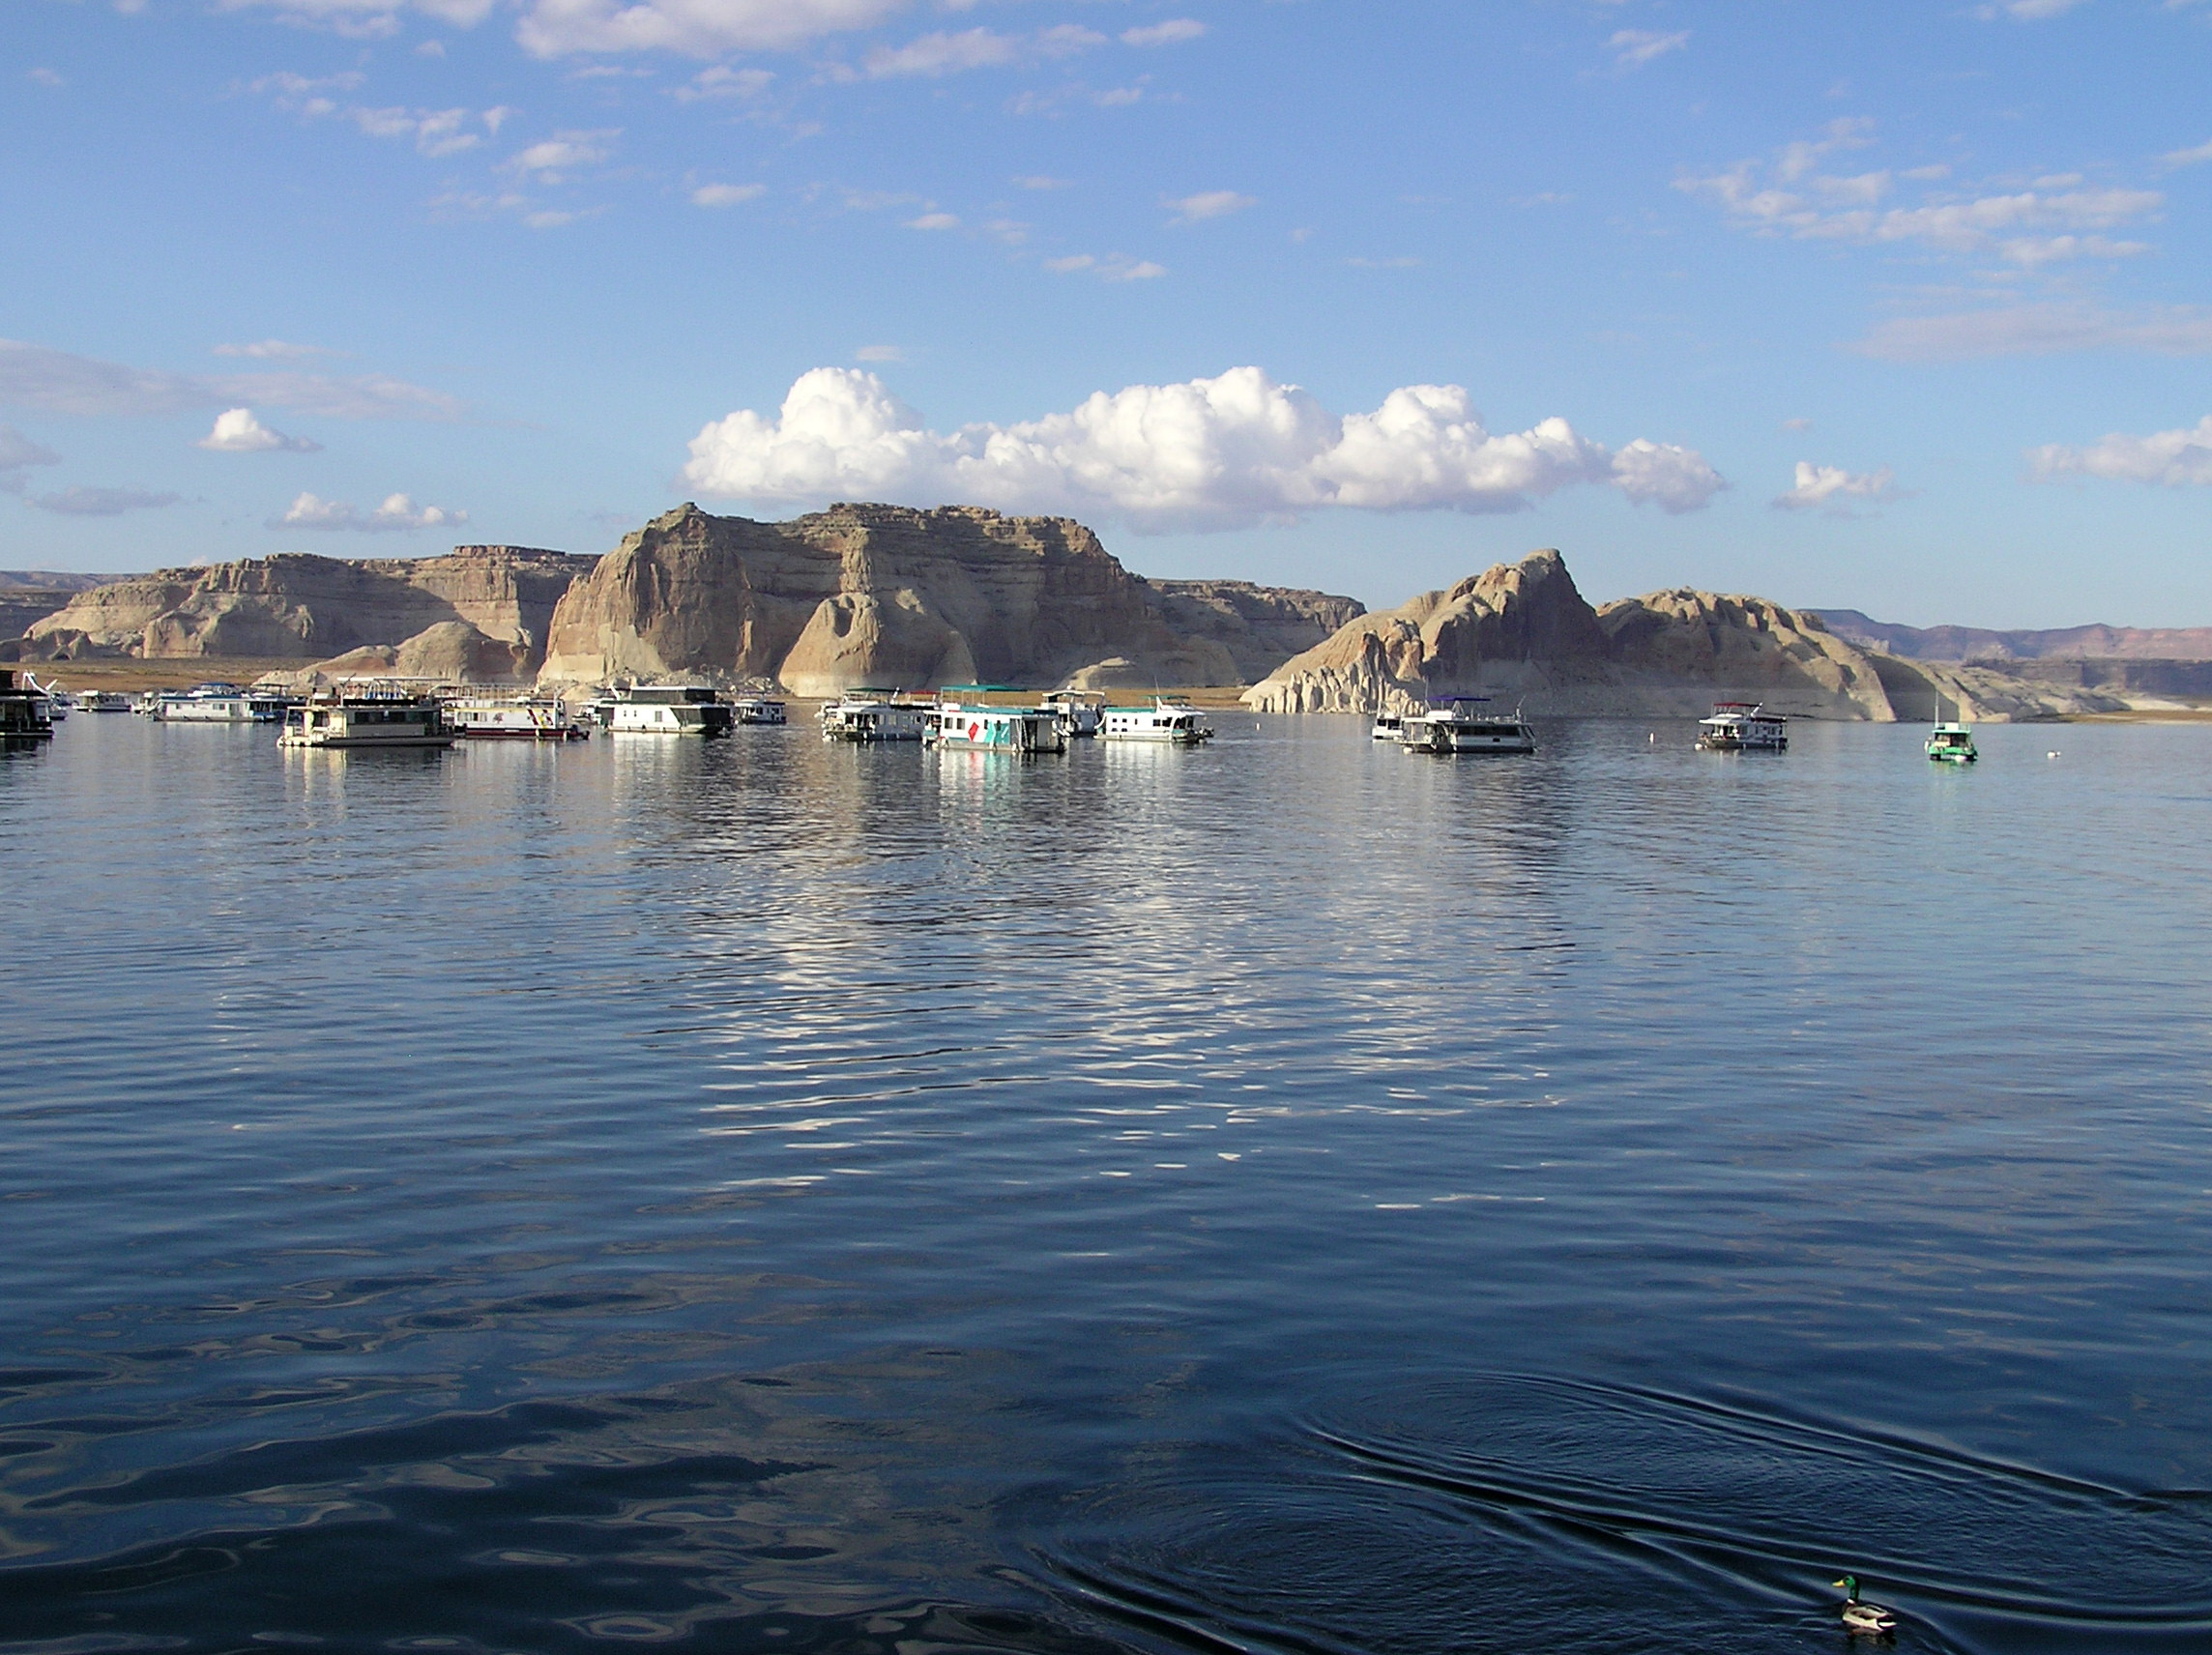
1952,744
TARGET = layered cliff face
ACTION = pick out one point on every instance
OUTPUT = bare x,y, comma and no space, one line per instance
872,595
1262,627
1523,633
302,607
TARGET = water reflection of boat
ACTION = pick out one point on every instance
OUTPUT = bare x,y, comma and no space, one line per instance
1743,727
1952,744
26,714
995,729
369,716
875,716
1172,721
1454,724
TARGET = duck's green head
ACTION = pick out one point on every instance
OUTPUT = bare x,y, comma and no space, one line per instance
1850,1586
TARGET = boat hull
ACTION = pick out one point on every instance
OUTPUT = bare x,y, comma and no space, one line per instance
296,739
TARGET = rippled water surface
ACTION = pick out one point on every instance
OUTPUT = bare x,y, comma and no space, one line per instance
1287,1196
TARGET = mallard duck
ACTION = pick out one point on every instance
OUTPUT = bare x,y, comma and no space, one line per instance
1864,1619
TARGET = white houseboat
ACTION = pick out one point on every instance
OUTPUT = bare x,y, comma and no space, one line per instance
1080,712
671,710
1743,727
875,716
103,701
1388,726
757,710
222,704
511,718
25,712
1172,721
995,729
357,715
1457,724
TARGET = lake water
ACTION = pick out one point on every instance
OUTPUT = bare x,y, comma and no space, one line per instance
1287,1197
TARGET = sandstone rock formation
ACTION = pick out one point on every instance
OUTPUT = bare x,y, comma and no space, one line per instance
1524,635
872,595
1262,627
28,597
307,608
1979,644
452,652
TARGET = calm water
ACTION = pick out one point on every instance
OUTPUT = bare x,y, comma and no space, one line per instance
1290,1197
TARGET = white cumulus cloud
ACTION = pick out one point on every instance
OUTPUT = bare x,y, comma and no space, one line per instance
238,432
1209,453
1834,489
397,513
2178,459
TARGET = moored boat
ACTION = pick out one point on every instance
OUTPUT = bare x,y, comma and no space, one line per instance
953,725
671,710
1952,744
25,712
103,701
875,716
1176,722
222,704
1388,726
359,715
758,710
1456,724
1080,712
1743,727
59,702
511,718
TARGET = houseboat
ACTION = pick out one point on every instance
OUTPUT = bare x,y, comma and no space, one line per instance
1080,712
1457,724
25,712
1172,721
875,716
511,718
671,710
757,710
1743,727
222,704
357,715
103,701
1952,744
995,729
1388,726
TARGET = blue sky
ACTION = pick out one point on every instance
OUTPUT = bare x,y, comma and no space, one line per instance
1901,306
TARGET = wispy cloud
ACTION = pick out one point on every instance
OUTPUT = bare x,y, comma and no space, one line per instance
2174,459
1112,267
727,195
60,382
397,514
83,502
2041,330
17,454
1633,49
1206,204
1174,32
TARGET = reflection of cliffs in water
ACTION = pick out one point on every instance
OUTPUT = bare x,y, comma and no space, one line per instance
861,595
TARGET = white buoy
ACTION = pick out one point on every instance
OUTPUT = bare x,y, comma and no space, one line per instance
2053,754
